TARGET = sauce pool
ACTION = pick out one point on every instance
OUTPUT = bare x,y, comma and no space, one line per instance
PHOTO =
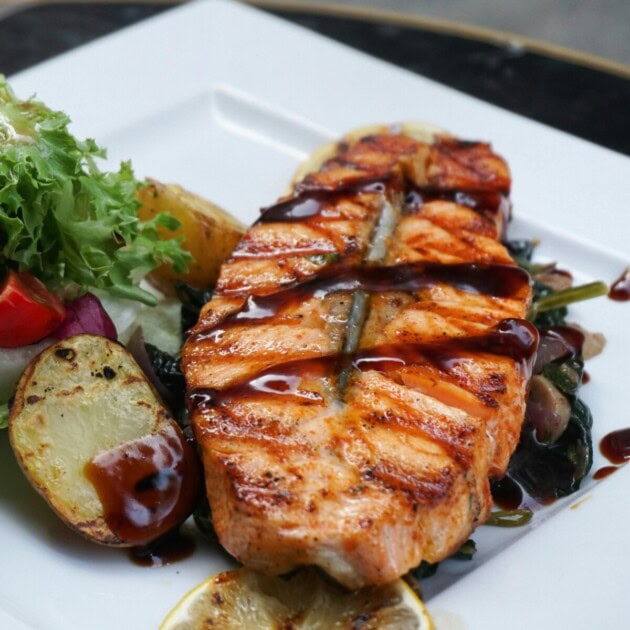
147,486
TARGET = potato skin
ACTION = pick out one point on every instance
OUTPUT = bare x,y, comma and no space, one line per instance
80,398
210,234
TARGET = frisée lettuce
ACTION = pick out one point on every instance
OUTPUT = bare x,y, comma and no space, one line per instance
63,219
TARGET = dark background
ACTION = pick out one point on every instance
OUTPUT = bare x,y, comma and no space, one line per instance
589,103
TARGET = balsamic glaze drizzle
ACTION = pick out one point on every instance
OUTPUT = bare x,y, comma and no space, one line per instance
517,339
514,338
484,202
310,203
489,279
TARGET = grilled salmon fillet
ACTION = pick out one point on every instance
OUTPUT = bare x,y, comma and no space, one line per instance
361,370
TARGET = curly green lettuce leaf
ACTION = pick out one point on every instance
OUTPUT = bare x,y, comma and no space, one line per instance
4,415
65,220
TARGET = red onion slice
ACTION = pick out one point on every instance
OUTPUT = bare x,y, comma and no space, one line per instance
86,315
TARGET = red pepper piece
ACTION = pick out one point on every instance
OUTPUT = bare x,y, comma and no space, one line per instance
28,310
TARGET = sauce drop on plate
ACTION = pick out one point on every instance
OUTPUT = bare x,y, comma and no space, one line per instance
620,289
615,446
171,548
604,472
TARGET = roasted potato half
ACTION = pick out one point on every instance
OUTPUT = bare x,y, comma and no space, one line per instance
95,441
210,233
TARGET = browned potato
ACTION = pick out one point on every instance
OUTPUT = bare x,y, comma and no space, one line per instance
209,232
95,441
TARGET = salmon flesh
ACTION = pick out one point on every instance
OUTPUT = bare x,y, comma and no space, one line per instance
361,371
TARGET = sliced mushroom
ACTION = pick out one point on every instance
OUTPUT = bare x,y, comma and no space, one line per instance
594,342
555,279
548,410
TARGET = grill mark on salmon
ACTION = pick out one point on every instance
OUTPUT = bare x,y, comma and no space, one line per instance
434,385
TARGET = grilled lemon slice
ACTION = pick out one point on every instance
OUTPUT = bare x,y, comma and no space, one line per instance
306,600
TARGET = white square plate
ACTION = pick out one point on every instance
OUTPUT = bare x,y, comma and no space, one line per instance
226,101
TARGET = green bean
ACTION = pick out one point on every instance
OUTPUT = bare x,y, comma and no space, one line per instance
510,518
